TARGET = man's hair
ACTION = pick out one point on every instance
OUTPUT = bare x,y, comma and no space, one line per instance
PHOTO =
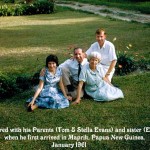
76,49
100,30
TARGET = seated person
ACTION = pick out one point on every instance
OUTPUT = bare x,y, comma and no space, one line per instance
71,70
48,94
95,86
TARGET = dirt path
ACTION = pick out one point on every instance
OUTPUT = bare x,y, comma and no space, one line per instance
106,11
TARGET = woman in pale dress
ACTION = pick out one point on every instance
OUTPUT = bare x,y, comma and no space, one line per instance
50,92
95,86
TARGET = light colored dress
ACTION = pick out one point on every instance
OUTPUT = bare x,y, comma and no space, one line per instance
97,88
51,96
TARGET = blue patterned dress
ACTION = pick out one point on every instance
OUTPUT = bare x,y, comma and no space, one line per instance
97,88
51,96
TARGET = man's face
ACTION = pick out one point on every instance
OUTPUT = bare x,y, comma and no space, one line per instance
78,55
100,37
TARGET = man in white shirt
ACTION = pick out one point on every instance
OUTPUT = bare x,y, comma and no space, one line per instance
108,54
70,72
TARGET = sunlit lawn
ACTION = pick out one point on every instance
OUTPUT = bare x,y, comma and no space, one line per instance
142,6
31,38
26,41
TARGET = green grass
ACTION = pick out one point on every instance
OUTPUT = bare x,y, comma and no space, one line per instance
26,41
131,112
31,38
143,7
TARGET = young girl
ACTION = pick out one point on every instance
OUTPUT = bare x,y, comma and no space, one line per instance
48,94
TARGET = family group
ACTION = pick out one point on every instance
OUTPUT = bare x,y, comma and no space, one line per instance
87,74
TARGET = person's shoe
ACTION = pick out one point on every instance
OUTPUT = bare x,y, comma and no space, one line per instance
70,88
29,109
115,85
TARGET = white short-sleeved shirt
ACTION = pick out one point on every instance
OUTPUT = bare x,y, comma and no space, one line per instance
107,52
73,65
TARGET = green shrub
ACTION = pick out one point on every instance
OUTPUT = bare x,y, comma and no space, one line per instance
7,86
5,10
125,64
18,10
143,64
11,85
44,7
29,9
23,82
9,1
35,78
37,7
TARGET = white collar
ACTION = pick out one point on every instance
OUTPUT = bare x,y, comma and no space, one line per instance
104,45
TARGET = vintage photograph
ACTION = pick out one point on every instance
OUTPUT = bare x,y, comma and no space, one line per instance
74,74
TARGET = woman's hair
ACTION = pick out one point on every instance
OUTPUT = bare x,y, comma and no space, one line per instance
53,58
95,55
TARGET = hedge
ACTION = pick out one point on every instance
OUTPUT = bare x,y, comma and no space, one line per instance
37,7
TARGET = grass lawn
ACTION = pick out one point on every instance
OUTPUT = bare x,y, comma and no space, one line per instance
27,40
143,7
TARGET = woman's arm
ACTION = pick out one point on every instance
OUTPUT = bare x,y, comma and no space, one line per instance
61,85
40,87
80,85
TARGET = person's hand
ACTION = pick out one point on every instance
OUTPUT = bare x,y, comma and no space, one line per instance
31,104
69,98
42,73
106,80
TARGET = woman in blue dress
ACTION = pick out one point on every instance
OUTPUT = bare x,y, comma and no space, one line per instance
48,94
95,86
